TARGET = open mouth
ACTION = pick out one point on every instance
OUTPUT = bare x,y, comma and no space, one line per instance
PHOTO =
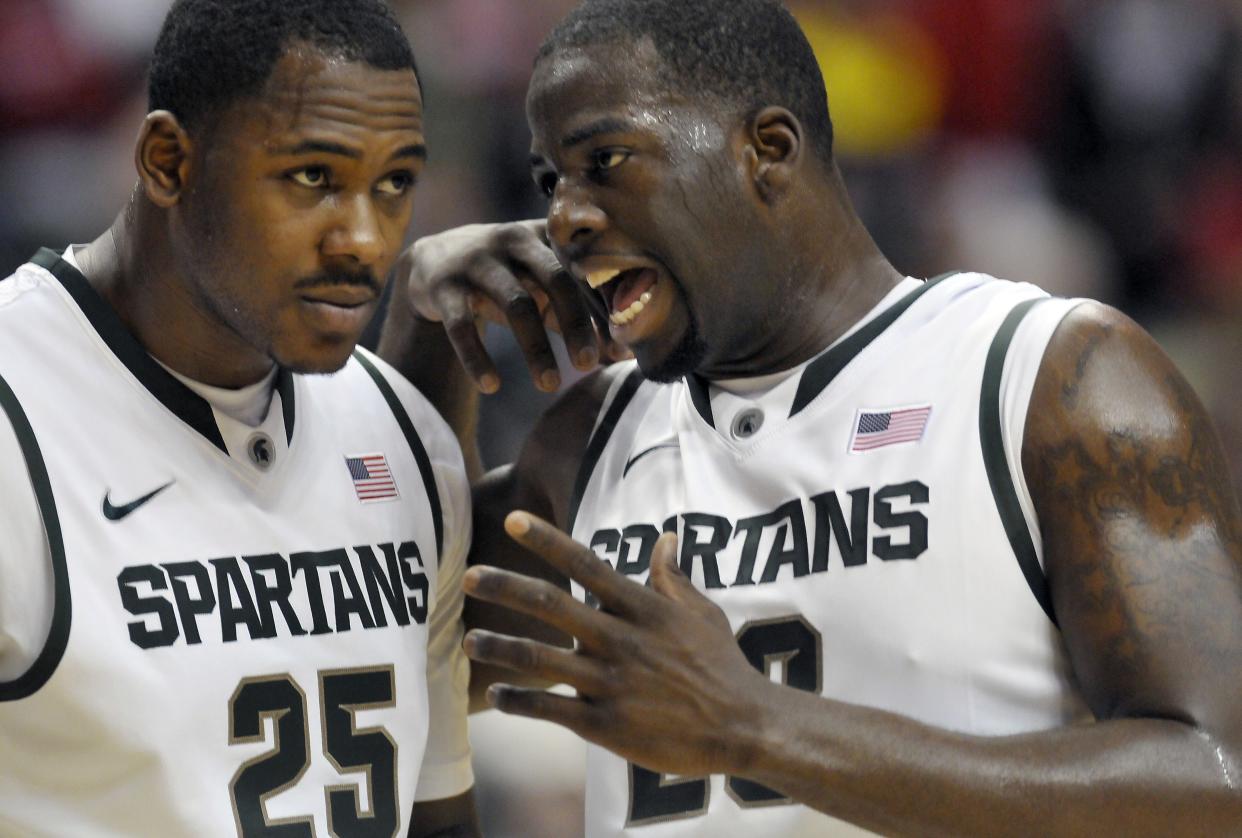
625,293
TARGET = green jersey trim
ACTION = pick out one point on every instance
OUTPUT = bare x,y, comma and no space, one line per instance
821,372
416,447
62,606
997,466
181,400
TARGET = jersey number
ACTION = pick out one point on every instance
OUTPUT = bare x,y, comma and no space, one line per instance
349,748
790,644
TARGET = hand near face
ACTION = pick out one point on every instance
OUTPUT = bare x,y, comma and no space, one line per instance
660,679
506,274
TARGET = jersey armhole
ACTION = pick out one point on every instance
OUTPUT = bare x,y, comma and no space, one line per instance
49,657
416,446
1008,381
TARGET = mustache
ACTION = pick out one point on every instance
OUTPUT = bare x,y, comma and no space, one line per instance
333,279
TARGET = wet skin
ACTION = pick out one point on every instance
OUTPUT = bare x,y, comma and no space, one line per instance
642,179
1141,531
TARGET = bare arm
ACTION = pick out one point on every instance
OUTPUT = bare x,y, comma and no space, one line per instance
1141,535
451,817
540,481
420,350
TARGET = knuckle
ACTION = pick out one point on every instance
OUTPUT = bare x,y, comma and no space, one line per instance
518,301
547,599
508,236
477,263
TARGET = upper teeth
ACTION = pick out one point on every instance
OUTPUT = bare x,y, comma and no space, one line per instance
620,318
597,278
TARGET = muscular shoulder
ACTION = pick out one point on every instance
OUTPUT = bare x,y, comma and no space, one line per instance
548,464
1106,388
1141,530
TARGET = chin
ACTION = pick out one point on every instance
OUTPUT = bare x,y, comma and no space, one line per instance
314,363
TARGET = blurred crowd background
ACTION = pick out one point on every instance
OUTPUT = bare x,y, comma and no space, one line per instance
1093,147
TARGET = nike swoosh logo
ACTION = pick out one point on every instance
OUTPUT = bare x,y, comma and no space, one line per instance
116,513
644,453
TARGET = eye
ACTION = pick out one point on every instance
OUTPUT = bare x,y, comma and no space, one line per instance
546,183
608,158
312,177
396,184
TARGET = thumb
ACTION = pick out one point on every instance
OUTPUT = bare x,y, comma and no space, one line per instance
666,576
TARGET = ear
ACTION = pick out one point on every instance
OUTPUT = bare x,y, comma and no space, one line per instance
163,158
774,150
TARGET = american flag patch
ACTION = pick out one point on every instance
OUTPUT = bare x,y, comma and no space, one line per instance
877,428
372,478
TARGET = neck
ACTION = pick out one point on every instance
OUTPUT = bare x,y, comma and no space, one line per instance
132,267
833,274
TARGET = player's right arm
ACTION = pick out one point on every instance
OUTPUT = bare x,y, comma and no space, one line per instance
541,480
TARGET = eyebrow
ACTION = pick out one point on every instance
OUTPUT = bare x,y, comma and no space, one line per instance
607,125
416,150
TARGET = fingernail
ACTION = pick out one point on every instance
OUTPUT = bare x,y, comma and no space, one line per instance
489,383
518,523
588,357
551,379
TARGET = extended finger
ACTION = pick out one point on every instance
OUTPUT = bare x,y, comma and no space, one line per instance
615,593
568,711
497,284
542,600
463,334
550,663
666,576
526,323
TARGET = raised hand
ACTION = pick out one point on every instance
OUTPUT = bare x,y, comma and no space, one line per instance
660,679
507,274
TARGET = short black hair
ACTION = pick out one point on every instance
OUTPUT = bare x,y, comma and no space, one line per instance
211,53
745,53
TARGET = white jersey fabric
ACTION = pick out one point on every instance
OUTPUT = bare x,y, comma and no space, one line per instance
864,524
209,628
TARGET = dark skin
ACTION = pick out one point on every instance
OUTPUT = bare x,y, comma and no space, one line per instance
267,238
1142,535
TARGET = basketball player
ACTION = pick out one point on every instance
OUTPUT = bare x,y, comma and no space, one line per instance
858,551
233,543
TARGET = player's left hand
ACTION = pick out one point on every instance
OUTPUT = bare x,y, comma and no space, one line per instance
660,679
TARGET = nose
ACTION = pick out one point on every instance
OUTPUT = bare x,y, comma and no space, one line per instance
573,219
356,234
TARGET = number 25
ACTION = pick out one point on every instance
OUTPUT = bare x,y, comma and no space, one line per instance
341,694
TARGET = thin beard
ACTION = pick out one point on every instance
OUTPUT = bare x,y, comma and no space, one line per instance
684,359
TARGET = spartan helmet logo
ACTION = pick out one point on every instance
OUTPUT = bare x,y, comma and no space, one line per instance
261,450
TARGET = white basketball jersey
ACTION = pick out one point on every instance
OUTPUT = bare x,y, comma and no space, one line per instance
863,523
253,631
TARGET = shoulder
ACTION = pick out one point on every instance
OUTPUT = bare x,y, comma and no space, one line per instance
25,294
1102,374
1141,525
424,428
403,398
